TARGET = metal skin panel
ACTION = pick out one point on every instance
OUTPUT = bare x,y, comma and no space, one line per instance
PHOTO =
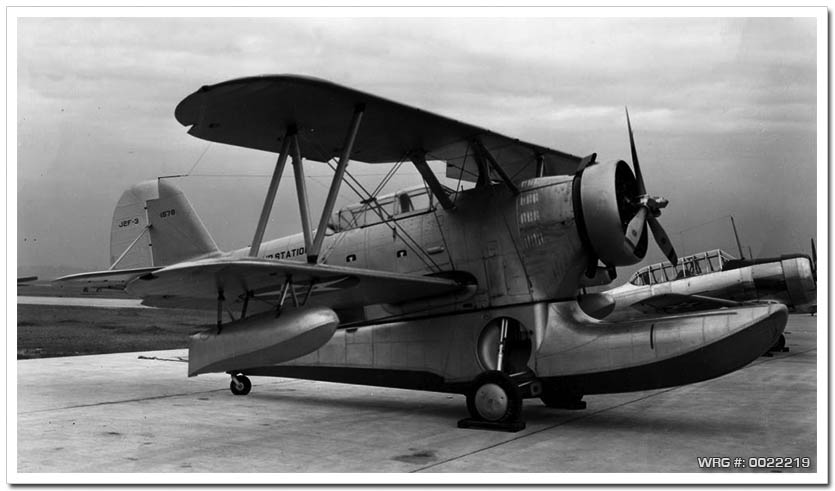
575,351
484,219
546,221
576,344
441,346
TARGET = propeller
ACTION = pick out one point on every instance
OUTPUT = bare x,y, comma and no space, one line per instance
649,211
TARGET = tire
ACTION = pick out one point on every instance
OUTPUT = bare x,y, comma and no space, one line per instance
240,385
494,397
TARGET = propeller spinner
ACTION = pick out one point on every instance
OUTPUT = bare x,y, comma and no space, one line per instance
649,211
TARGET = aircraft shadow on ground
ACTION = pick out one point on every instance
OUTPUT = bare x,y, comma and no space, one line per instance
534,414
613,420
451,408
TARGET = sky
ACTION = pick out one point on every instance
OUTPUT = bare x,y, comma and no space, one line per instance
724,112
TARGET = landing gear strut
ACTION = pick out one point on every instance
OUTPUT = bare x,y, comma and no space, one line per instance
240,385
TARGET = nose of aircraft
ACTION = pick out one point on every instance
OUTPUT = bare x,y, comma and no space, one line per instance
800,281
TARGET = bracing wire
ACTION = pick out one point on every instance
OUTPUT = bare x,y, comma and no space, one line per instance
199,159
387,219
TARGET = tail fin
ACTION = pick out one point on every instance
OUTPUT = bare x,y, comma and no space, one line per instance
155,225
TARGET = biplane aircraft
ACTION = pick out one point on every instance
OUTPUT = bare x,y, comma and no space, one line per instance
471,291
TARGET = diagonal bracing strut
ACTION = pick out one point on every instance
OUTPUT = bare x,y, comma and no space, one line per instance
347,148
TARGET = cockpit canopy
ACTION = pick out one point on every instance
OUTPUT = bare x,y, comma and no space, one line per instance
693,265
406,202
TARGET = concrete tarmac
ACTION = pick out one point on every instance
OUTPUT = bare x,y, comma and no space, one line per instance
138,412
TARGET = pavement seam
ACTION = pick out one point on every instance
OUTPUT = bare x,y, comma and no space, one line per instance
122,401
534,432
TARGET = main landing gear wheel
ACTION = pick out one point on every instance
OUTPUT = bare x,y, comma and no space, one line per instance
494,402
240,385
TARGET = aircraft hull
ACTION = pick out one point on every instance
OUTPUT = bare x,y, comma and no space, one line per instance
570,350
713,350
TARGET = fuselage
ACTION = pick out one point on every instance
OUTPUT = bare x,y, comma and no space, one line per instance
515,249
526,258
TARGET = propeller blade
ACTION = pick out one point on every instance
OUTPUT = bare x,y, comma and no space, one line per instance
663,241
814,260
635,229
814,252
640,178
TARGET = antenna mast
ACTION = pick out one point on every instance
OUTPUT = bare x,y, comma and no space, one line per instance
736,235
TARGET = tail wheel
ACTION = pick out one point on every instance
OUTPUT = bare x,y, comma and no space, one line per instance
240,385
494,397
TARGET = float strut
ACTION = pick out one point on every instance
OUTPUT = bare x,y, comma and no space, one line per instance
246,303
220,300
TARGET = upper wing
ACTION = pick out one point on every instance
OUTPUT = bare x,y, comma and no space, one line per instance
255,112
196,284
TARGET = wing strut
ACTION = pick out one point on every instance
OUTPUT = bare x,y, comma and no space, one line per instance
301,192
270,199
419,159
313,253
484,154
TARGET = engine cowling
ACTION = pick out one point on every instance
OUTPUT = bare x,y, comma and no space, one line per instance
604,203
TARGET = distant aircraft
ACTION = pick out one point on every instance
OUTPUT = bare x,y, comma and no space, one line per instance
710,280
471,291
